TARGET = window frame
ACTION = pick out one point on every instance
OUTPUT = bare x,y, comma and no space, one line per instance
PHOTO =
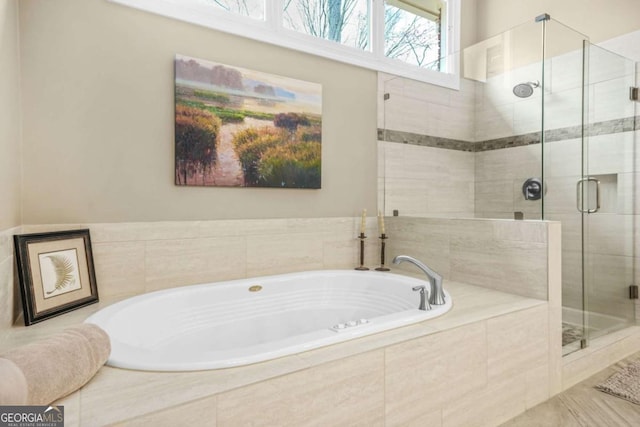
270,30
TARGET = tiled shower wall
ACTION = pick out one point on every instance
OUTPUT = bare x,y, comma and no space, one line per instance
414,123
427,169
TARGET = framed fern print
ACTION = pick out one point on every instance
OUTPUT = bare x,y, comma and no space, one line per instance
56,273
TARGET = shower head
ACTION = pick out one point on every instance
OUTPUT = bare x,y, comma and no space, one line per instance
525,90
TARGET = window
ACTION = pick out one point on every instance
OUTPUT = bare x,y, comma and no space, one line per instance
347,22
412,32
409,38
250,8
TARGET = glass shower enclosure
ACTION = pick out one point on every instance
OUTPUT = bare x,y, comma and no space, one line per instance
542,127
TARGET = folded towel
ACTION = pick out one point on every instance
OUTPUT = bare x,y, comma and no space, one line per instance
13,386
62,363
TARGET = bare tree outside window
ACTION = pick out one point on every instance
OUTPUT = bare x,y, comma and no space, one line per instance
409,37
342,21
251,8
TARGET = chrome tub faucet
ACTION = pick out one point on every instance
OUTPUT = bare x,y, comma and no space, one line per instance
436,293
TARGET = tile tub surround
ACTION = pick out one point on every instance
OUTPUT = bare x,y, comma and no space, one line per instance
505,255
465,358
130,259
134,258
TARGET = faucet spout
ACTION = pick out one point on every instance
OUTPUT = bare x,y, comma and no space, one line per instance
436,292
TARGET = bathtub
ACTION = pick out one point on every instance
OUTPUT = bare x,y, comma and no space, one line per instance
239,322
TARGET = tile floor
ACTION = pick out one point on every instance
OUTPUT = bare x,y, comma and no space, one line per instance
582,405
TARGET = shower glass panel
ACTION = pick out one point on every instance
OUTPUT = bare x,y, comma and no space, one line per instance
542,127
609,164
563,169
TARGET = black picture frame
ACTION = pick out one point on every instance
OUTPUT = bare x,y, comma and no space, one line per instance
56,273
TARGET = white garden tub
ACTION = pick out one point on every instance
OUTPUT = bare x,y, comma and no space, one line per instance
225,324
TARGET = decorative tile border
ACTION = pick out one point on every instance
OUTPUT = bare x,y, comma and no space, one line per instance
424,140
626,124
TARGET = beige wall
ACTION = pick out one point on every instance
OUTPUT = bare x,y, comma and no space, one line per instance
10,215
9,116
97,83
599,19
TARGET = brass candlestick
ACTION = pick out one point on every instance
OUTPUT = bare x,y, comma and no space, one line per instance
383,237
362,267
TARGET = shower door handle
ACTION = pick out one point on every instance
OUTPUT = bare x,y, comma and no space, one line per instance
579,186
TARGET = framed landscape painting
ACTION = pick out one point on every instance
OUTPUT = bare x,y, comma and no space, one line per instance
241,128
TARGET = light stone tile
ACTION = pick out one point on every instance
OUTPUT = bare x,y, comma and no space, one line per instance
262,227
116,395
451,196
609,96
494,122
490,406
176,230
560,197
508,163
563,108
572,279
143,231
71,405
171,263
424,374
420,90
491,196
527,115
6,242
198,413
520,231
479,258
414,114
607,285
426,239
538,384
284,253
564,71
571,229
495,215
432,418
554,262
408,196
8,294
606,65
609,154
393,161
480,306
563,158
610,234
347,392
464,98
628,188
518,342
119,268
337,254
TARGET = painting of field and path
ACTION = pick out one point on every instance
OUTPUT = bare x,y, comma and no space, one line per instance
241,128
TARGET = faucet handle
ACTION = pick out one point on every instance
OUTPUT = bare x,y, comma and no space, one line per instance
424,304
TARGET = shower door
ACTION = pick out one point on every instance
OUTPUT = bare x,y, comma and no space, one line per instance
589,176
608,192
